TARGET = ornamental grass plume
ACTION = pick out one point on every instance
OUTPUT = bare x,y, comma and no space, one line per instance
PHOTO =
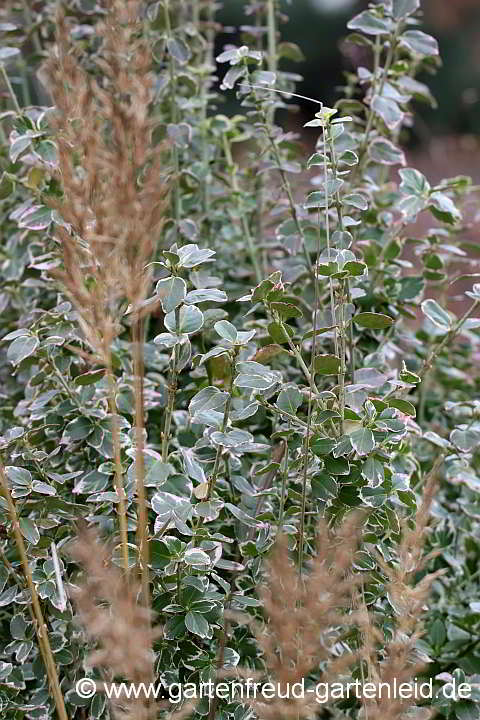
115,193
114,619
114,181
408,588
305,611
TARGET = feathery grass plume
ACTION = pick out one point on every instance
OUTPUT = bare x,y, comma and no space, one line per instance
398,661
109,610
304,613
112,174
115,194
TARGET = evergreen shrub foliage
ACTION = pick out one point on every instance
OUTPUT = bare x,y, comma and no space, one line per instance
239,364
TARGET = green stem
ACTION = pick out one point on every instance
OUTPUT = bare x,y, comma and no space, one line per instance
301,362
232,168
371,115
177,204
10,89
226,414
282,413
436,351
288,191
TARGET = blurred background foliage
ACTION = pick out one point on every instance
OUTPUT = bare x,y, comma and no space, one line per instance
319,27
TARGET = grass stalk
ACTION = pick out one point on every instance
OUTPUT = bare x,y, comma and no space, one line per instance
10,89
40,625
283,491
172,391
142,512
117,458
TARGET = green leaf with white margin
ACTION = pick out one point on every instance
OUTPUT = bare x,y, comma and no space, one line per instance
241,515
165,505
208,295
403,8
388,110
289,400
356,268
407,376
226,330
356,200
37,217
178,49
362,441
21,348
474,293
419,43
77,429
370,23
444,208
413,182
253,382
411,205
4,575
384,152
172,292
465,439
255,376
373,471
18,475
8,596
196,624
374,496
349,158
190,320
167,340
43,488
18,146
191,256
5,670
209,398
196,556
29,530
437,315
